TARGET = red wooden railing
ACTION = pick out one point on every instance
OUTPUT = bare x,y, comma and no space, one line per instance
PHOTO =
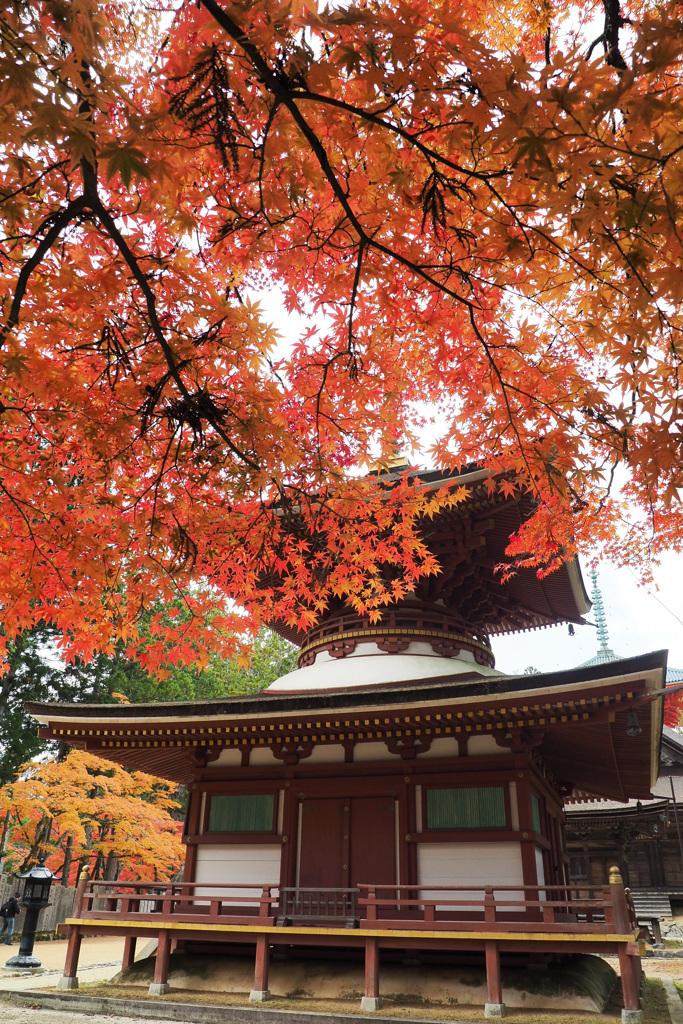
514,907
216,903
551,909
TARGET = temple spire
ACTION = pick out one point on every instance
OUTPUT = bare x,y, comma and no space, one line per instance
599,609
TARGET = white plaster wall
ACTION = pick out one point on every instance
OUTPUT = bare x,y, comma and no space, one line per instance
442,746
480,745
475,864
373,751
262,755
250,864
227,758
326,753
540,873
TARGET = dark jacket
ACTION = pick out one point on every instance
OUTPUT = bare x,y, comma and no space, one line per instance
11,908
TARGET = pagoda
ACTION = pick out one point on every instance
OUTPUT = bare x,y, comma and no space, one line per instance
395,795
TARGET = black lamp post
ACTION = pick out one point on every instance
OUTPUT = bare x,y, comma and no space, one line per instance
36,896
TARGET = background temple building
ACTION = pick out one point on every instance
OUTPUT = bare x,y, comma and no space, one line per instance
643,838
396,799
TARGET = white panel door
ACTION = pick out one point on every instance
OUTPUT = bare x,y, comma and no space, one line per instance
249,865
475,864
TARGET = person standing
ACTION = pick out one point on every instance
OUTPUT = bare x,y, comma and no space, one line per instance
9,911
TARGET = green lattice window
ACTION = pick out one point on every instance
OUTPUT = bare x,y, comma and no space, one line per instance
252,813
536,813
475,807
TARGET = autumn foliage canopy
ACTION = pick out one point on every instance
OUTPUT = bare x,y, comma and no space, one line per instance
478,207
82,812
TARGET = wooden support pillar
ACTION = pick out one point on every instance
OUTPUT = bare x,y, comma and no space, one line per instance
69,979
260,992
128,952
160,986
371,999
494,1007
629,968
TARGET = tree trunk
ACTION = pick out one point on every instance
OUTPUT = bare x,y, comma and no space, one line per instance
68,856
111,867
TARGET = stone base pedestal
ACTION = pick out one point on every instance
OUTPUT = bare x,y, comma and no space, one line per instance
494,1011
631,1017
67,983
25,963
258,995
159,990
370,1003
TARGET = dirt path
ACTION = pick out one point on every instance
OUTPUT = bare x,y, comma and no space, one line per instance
52,954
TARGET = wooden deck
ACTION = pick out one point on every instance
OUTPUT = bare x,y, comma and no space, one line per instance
491,920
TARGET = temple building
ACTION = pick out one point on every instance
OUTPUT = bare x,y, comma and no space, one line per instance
396,797
642,838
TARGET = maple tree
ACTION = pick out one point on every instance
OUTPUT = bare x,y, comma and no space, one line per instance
84,812
479,204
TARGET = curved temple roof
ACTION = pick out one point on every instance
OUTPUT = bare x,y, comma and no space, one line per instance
470,540
577,719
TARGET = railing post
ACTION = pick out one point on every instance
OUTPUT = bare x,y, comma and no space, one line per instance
260,992
619,903
371,908
371,1000
494,1007
489,905
264,902
160,986
79,897
69,979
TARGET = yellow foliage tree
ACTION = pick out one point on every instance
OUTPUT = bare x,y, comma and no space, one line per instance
84,812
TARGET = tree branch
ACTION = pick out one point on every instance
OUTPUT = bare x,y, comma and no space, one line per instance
59,222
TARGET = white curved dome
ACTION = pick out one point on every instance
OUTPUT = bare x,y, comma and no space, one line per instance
367,666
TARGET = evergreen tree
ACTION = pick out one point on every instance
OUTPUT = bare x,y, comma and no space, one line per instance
36,673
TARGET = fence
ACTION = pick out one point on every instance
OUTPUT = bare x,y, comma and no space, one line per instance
61,905
513,908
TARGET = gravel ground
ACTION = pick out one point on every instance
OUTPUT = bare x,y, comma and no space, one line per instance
28,1015
101,959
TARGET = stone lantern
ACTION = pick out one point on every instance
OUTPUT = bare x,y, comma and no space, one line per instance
36,897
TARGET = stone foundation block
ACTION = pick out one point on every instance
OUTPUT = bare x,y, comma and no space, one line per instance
370,1003
67,983
494,1011
159,990
259,995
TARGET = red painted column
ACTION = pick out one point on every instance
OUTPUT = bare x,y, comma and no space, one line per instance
128,952
371,1000
160,985
632,1013
69,979
494,1007
260,992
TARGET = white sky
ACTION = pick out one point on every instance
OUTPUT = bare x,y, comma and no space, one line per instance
638,621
